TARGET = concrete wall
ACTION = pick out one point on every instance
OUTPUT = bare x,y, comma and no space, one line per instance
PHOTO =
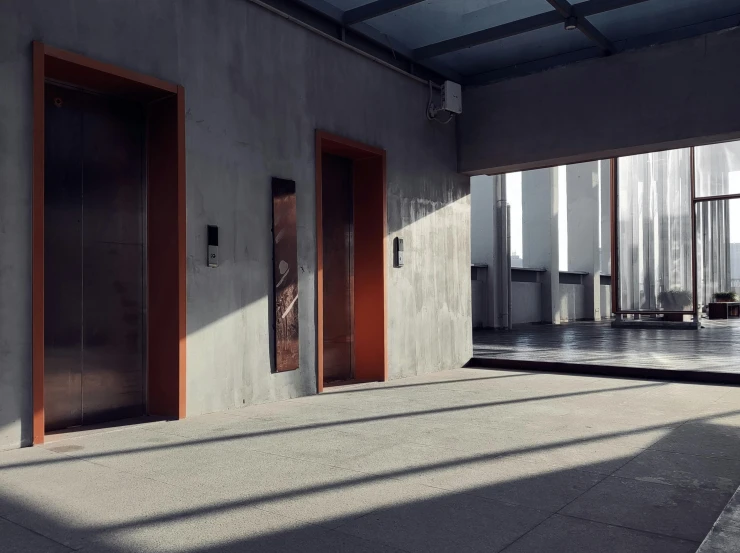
482,217
479,297
540,235
651,99
483,236
573,303
606,300
256,88
584,217
526,302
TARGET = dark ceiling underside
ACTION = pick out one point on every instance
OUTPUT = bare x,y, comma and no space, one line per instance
481,41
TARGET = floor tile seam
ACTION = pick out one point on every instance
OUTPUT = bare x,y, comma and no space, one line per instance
144,476
295,401
37,533
337,530
511,544
625,463
232,437
302,522
726,389
451,541
140,475
719,457
624,527
400,478
378,475
687,421
508,453
163,433
218,493
584,492
317,461
341,529
675,486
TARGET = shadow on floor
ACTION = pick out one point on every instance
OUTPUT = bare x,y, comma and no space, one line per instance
662,498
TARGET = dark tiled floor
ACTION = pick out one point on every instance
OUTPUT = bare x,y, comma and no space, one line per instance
713,348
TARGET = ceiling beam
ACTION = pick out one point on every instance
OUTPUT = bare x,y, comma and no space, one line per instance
547,19
565,9
375,9
661,37
331,13
593,34
518,27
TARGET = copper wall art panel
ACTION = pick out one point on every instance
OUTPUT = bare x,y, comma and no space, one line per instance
285,274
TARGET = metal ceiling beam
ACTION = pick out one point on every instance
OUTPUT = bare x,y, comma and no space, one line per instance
331,13
547,19
565,9
592,33
536,66
518,27
375,9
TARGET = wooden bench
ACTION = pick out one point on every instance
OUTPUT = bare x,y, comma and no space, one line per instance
724,310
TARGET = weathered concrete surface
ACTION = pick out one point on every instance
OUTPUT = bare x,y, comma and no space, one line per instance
540,223
657,98
257,87
725,534
464,460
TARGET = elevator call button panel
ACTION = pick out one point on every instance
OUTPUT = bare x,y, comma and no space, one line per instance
398,251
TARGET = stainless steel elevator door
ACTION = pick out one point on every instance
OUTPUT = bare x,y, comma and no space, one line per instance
338,242
94,259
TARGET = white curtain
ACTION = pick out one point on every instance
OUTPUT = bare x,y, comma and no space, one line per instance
654,231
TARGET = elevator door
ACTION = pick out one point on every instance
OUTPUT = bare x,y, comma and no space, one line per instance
94,242
338,242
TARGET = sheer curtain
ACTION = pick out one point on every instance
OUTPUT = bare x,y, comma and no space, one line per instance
654,231
717,169
713,248
717,221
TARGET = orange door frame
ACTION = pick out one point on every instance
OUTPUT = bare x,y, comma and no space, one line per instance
166,335
370,307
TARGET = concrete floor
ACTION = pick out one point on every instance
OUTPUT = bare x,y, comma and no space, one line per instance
464,460
710,349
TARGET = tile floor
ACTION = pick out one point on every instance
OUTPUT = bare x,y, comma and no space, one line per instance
463,460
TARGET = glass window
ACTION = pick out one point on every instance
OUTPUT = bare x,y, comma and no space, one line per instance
563,217
717,248
514,197
654,232
717,169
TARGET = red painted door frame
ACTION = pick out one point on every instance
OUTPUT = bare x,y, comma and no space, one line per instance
166,215
370,227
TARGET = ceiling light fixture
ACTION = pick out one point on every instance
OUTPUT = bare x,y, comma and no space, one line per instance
571,24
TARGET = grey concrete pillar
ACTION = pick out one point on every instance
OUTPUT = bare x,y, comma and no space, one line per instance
584,214
484,237
540,235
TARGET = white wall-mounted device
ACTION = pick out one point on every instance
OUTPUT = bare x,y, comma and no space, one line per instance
452,97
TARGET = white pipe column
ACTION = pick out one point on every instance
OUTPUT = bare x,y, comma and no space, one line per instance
553,269
503,265
605,236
